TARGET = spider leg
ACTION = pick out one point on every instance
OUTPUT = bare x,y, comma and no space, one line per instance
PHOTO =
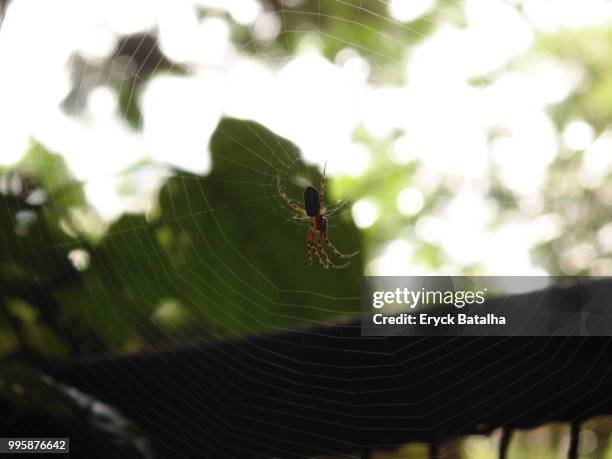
341,266
334,209
321,255
322,187
310,245
335,250
331,264
328,262
294,205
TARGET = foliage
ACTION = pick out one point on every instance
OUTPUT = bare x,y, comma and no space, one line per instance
220,255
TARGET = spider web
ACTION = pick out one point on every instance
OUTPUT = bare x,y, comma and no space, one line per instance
229,282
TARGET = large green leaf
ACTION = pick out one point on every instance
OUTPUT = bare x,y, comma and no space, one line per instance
238,250
222,252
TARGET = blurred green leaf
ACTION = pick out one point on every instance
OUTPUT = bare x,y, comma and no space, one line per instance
223,246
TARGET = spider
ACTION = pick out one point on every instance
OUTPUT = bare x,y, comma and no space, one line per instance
315,210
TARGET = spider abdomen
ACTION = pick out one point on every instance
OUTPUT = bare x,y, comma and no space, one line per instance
312,204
